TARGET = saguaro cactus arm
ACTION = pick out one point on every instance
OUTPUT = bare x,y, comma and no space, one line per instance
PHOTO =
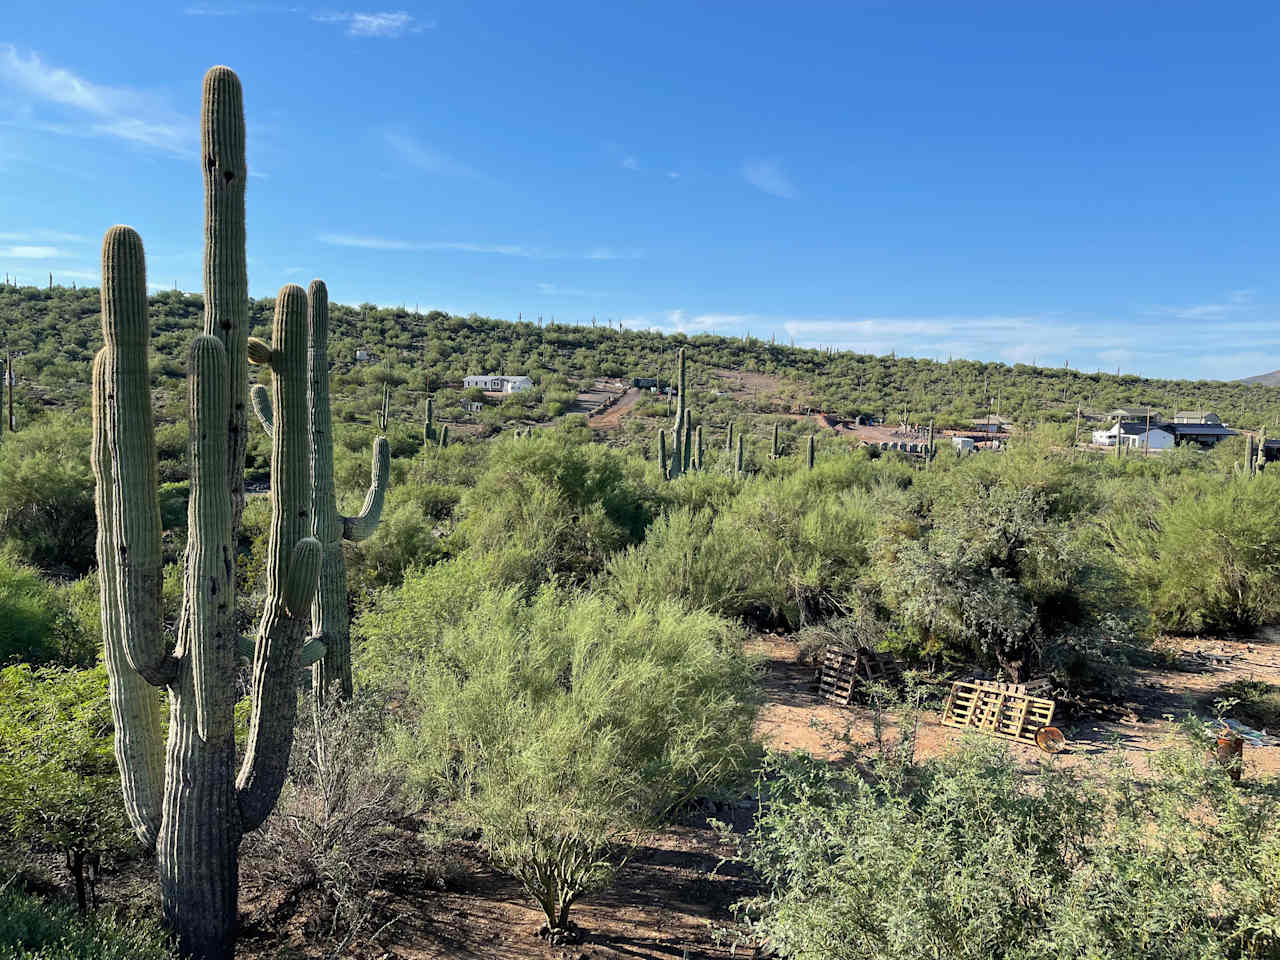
293,567
209,637
362,525
130,441
260,398
136,709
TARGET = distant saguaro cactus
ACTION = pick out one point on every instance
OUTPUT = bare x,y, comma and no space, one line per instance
809,453
775,450
444,436
195,821
737,462
429,423
728,440
699,449
329,621
664,465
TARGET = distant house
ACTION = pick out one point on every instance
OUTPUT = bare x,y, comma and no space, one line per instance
1196,416
1130,433
992,424
362,354
1203,432
963,444
644,383
498,383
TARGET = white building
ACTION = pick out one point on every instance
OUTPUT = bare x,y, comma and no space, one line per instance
497,383
1135,435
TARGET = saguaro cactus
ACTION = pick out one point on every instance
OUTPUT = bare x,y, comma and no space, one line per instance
196,822
330,624
664,464
444,436
775,450
738,458
698,446
428,423
679,445
809,453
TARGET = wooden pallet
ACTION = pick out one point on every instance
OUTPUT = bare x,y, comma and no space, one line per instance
843,670
978,705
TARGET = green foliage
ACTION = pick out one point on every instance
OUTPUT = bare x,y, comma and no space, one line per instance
562,726
965,857
1257,703
1205,554
31,929
42,623
58,778
46,495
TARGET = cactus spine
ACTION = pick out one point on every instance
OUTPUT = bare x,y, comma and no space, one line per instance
809,453
196,822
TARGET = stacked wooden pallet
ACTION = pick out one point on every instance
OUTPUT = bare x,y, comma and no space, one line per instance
843,669
999,709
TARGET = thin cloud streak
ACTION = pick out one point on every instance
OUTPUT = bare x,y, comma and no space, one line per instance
384,25
119,112
768,176
367,242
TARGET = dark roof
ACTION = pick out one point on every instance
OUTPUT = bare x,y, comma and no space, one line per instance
1200,429
1132,428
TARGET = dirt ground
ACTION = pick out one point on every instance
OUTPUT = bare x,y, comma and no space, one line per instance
611,419
675,891
796,718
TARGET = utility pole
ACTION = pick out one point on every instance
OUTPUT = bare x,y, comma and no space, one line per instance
1146,437
1075,442
8,375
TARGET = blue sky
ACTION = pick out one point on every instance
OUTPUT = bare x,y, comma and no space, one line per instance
1086,182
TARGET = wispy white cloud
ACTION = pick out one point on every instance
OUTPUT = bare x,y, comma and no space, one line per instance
369,242
425,157
386,24
31,252
610,253
120,112
767,175
42,236
629,162
673,175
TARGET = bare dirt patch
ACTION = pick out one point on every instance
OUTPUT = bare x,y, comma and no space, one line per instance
611,419
794,717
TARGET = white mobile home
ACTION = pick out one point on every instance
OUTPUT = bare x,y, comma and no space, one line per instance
498,383
1134,435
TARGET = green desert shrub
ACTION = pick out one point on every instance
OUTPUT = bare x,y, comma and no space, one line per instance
1204,554
33,929
46,495
41,622
564,726
58,777
967,858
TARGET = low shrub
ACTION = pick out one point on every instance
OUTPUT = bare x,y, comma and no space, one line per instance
967,857
32,929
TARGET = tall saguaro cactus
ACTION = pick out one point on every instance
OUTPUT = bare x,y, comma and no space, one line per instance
330,623
808,457
196,821
226,277
679,436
